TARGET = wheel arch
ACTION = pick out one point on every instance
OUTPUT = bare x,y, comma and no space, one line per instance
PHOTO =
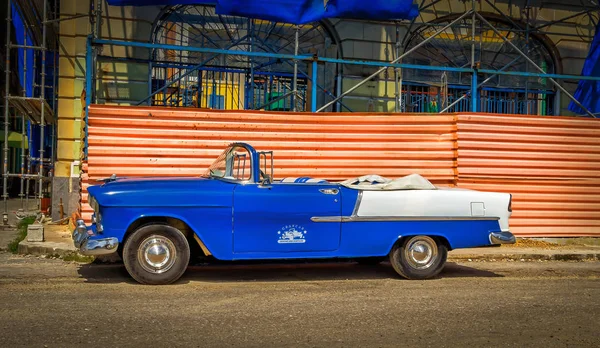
172,221
437,237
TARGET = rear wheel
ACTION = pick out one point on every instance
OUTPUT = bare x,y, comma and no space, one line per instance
156,254
418,257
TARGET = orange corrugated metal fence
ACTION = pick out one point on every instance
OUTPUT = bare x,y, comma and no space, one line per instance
489,149
155,141
551,165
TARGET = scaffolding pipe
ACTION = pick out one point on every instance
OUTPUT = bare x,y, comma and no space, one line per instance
474,95
26,176
313,87
67,18
98,14
536,66
192,69
379,71
42,95
295,82
55,97
22,186
25,47
22,194
28,170
328,93
506,17
564,19
89,66
397,72
337,61
479,85
6,114
251,62
527,14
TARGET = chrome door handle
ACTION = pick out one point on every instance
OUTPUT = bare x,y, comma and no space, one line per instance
329,191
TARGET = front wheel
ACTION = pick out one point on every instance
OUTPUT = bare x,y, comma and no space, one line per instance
418,257
156,254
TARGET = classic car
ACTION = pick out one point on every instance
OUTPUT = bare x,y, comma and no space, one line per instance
237,211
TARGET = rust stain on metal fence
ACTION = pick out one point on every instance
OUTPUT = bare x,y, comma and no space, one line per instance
551,165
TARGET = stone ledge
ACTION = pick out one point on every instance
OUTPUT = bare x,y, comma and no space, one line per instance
46,248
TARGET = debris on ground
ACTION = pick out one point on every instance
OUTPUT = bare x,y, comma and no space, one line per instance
532,243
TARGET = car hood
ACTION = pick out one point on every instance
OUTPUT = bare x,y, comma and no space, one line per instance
160,191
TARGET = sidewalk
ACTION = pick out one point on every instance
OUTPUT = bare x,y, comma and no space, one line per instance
530,249
520,253
58,242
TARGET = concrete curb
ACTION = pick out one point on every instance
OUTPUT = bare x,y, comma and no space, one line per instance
527,257
46,248
67,249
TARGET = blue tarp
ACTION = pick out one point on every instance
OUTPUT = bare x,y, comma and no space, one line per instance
159,2
27,78
588,91
25,56
299,11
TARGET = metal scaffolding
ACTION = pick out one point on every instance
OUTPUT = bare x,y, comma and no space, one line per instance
34,106
197,43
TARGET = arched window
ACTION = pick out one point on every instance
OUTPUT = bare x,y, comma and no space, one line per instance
234,81
499,93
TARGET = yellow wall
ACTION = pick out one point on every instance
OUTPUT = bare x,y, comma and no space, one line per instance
116,81
233,99
71,84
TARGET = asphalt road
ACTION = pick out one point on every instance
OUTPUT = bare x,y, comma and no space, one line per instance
51,303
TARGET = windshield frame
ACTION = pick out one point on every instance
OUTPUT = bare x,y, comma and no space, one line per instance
226,157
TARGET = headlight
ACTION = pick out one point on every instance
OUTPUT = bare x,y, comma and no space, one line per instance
93,203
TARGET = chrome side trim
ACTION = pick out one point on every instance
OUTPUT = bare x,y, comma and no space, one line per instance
401,218
326,219
502,238
357,205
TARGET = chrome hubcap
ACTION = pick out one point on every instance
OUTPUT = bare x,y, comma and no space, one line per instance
421,252
157,254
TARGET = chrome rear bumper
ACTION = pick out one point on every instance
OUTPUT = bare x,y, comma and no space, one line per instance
93,247
502,238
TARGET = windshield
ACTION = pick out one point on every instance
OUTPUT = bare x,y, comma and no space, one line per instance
234,163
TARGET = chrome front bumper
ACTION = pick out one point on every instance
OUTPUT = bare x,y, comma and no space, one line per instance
94,247
502,238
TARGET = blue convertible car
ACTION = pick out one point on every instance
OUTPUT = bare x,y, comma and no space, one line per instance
236,211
